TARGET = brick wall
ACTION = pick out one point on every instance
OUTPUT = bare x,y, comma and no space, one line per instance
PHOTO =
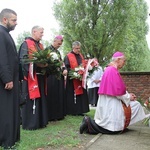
138,83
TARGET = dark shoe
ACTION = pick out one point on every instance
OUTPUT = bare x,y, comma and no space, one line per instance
83,126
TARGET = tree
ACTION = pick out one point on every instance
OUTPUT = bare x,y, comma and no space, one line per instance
104,26
21,37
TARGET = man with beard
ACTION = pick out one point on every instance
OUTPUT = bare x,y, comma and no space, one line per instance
9,82
34,111
55,87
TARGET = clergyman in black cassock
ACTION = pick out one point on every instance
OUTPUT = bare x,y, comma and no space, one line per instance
75,104
9,82
34,111
55,87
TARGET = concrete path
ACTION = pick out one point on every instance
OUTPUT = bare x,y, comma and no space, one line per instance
136,138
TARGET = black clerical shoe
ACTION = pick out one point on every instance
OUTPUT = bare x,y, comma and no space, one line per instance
84,125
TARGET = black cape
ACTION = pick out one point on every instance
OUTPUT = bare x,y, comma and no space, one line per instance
9,101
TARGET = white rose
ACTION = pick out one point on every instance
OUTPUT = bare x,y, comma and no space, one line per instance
76,69
90,67
54,56
75,74
81,68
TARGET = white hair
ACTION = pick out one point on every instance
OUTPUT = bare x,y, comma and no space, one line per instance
76,43
36,28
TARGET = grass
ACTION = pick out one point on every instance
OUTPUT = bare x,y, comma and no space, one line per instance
58,134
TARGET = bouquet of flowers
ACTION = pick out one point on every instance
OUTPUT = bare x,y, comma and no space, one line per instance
52,59
82,73
147,106
92,65
76,73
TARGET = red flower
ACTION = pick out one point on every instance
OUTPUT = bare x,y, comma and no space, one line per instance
80,72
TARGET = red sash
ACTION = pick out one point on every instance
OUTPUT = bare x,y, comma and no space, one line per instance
33,87
76,83
127,113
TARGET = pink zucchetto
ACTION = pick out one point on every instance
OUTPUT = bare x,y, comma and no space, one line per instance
59,37
118,54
